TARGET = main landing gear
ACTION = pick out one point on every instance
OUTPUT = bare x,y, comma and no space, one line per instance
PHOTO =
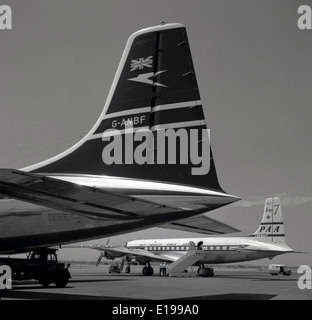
128,269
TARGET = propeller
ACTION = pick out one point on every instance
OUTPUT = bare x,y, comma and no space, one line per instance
100,258
103,253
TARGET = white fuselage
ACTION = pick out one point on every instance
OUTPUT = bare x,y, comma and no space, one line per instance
216,249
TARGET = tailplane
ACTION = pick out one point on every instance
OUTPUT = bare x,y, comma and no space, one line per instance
272,225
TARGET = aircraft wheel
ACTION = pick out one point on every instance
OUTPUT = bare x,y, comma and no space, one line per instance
127,270
151,271
144,271
147,271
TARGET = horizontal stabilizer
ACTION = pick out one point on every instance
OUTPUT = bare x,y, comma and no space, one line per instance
302,252
200,224
73,198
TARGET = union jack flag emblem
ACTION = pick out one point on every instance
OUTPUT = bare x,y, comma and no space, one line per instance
141,63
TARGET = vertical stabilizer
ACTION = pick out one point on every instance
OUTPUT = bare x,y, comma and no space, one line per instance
155,91
272,225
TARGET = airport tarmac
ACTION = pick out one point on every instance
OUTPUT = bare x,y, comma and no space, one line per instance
95,283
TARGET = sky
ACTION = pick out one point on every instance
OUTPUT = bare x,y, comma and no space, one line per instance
254,70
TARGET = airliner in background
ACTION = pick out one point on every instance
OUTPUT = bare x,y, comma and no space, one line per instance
267,242
77,196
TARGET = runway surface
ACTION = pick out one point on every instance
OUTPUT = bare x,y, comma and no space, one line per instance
95,283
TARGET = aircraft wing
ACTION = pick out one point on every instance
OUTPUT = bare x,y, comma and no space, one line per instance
144,255
78,199
200,224
140,254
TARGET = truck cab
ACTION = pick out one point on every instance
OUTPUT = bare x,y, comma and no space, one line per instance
41,265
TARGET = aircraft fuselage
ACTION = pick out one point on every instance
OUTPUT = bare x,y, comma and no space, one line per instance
24,225
215,250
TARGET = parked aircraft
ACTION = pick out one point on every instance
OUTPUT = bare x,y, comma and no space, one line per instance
111,182
267,242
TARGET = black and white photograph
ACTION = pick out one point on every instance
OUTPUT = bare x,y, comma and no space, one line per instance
155,153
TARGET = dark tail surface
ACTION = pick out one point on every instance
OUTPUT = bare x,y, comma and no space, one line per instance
154,92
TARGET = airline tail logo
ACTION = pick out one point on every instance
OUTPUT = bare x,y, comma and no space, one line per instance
148,78
267,230
141,63
271,210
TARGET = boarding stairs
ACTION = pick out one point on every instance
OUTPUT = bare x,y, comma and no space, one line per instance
180,267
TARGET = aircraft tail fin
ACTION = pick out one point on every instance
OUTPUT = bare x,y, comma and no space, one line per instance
154,89
272,224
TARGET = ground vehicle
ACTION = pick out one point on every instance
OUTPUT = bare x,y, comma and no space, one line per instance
40,265
114,269
205,271
275,269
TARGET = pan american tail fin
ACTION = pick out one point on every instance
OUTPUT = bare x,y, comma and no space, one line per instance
272,225
154,102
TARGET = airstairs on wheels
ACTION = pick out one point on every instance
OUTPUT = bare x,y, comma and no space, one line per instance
179,267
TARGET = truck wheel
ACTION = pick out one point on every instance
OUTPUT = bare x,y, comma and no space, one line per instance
61,280
45,281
